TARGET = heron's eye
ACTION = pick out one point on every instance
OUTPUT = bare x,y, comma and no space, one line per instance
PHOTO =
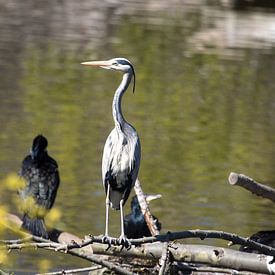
114,63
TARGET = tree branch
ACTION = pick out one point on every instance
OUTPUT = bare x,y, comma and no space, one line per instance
68,241
251,185
145,209
71,271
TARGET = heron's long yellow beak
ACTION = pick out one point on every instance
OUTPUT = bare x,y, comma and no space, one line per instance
98,63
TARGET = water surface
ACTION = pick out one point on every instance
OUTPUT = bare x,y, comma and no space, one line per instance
204,106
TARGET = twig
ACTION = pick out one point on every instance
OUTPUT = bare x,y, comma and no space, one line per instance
77,270
29,238
251,185
99,261
145,209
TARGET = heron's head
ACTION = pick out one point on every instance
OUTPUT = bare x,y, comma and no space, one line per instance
117,64
39,146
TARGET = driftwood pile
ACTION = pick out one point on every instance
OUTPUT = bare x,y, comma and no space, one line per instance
161,253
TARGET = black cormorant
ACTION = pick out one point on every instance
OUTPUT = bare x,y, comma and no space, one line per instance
41,176
263,237
135,224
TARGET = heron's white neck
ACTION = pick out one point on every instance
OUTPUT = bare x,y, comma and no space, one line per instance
117,112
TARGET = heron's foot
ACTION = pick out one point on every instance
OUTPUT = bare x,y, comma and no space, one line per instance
107,240
124,242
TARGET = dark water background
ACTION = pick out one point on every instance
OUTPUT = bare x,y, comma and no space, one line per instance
204,106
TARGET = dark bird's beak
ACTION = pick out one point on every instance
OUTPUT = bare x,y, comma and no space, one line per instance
152,197
103,64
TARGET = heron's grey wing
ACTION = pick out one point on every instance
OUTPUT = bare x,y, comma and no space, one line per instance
136,159
107,153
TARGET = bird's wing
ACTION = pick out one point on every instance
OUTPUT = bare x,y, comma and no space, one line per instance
48,189
41,186
25,172
137,156
107,153
121,156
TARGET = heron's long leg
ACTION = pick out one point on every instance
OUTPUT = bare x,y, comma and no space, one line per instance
107,211
121,218
123,239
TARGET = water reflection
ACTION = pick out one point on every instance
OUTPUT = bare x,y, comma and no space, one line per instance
199,114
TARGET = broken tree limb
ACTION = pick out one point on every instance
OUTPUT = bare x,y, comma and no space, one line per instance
151,223
251,185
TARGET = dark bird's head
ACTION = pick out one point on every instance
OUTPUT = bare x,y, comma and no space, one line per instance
134,223
117,64
39,146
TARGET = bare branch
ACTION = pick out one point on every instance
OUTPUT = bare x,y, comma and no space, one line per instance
29,238
49,245
68,241
145,209
251,185
71,271
209,234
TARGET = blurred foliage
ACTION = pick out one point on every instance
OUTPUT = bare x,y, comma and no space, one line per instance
13,182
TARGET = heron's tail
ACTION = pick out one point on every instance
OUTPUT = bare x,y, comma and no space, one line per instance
35,226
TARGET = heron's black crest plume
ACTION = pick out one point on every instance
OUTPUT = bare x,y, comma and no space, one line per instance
134,74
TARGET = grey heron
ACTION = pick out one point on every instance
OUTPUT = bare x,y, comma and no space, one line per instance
121,155
40,173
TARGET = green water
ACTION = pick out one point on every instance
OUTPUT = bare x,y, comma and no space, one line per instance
199,115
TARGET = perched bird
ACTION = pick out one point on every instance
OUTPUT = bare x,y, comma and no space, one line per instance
263,237
121,155
40,173
135,224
